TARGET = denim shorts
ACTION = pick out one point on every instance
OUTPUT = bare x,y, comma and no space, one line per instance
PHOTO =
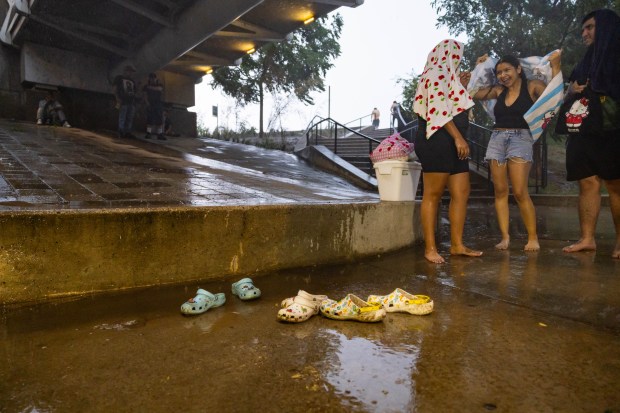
511,143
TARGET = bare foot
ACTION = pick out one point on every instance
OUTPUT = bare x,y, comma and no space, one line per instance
616,253
532,246
503,245
581,245
463,250
434,257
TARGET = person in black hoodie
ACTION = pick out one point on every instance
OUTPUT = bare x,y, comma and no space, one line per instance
153,92
593,157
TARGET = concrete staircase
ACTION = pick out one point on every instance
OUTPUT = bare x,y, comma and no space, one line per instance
355,149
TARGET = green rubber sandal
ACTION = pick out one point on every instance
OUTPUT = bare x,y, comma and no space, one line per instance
203,301
245,289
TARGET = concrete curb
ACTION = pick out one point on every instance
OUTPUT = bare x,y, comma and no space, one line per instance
46,255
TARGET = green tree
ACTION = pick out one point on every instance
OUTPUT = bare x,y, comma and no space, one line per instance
409,85
295,66
519,28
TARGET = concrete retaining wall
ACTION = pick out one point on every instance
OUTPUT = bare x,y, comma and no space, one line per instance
45,255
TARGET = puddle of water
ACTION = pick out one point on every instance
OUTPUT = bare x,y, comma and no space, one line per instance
369,374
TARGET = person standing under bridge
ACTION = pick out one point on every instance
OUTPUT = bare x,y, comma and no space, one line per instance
125,93
153,92
441,103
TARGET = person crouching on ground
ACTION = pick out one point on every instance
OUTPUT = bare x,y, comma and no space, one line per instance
441,103
510,149
50,111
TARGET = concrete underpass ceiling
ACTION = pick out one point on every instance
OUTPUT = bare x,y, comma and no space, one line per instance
183,36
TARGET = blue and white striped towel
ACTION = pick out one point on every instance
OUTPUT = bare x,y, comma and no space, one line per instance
546,107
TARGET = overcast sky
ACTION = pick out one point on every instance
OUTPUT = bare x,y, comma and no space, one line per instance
381,41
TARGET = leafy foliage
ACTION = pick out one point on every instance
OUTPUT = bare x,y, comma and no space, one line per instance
520,28
296,66
409,85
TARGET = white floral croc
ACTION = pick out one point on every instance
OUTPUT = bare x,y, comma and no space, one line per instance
352,307
318,299
401,301
300,309
203,301
245,289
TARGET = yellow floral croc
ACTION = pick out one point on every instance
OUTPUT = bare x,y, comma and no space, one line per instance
401,301
354,308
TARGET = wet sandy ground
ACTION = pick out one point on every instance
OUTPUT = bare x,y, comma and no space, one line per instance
511,332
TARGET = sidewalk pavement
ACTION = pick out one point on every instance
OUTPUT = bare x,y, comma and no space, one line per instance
51,168
511,331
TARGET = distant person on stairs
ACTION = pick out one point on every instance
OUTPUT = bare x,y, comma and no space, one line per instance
374,116
394,113
441,146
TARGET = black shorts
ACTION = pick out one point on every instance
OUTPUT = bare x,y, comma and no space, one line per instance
438,154
593,156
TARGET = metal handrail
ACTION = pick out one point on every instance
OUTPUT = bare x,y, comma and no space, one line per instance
332,131
311,123
478,136
355,120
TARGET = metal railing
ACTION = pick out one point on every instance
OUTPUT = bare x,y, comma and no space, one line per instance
478,136
332,130
358,121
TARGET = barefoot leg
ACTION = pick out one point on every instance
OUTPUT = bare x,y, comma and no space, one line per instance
464,251
589,208
613,187
519,171
532,246
499,176
503,244
434,257
434,185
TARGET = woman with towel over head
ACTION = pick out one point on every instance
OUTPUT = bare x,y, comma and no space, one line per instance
441,103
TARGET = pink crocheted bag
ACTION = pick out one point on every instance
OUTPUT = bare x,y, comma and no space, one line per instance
393,148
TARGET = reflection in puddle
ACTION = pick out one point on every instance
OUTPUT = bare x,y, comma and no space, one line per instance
369,374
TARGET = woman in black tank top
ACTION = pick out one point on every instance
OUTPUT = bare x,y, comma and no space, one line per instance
510,148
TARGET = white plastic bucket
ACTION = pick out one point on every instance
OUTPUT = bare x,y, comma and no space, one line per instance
397,180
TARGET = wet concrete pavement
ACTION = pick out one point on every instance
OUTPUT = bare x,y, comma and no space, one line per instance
51,168
511,332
